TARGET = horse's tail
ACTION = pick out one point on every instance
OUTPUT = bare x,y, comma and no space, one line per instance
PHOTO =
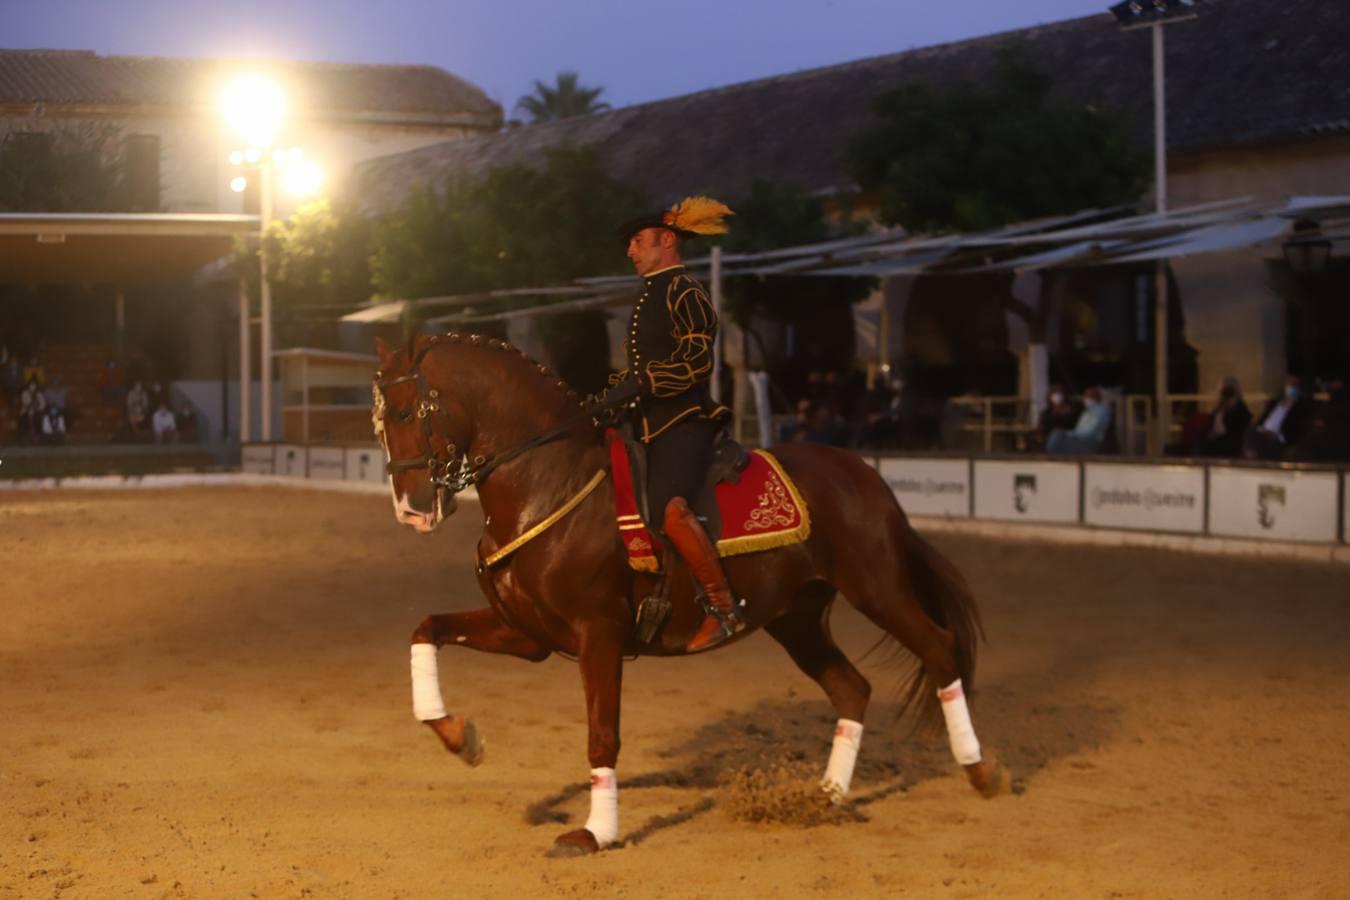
945,596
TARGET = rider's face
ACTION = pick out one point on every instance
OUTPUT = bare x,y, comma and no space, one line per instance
646,249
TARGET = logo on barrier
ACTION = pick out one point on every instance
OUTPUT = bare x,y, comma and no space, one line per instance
1024,488
1268,495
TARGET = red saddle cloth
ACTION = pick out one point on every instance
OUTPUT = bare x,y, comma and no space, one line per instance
761,511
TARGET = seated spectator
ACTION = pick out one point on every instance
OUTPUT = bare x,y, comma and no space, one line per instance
56,393
1329,439
137,403
878,426
1281,424
166,427
1089,432
34,372
31,406
797,429
112,382
827,428
1061,412
9,372
1227,423
54,426
187,425
156,395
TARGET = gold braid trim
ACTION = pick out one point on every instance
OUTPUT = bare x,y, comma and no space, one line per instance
496,557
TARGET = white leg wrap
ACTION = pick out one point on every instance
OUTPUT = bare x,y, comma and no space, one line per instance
604,818
426,684
961,734
843,756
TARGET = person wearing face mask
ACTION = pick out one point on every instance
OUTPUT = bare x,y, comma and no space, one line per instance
1281,424
1227,422
1060,412
1089,432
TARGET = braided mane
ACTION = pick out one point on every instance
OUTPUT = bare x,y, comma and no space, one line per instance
491,343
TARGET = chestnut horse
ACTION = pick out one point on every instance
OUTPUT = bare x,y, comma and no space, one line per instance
455,410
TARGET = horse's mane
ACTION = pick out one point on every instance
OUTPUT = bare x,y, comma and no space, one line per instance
509,350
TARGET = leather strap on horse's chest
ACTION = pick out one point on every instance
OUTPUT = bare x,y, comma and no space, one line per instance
502,553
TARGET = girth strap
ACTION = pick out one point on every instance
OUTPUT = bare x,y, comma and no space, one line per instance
552,519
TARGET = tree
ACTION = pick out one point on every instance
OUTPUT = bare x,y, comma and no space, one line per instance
565,98
63,169
975,156
319,257
971,157
516,226
771,216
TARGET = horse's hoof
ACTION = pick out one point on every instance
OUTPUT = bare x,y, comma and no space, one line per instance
472,747
575,843
988,777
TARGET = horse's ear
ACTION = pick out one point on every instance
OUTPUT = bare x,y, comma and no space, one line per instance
381,348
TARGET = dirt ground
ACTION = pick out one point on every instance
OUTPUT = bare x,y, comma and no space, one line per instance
204,693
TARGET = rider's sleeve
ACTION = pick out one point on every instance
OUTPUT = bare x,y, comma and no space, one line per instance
616,377
694,326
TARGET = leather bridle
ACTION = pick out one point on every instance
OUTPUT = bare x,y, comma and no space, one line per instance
450,468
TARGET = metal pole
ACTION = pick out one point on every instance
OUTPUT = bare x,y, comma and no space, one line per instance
245,368
121,310
715,277
1160,336
304,400
265,344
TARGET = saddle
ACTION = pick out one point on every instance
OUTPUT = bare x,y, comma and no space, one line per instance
747,502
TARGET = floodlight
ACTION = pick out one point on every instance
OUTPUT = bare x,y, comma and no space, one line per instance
238,183
254,107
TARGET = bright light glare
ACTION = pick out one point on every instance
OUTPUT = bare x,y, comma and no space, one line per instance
301,178
238,183
254,107
236,157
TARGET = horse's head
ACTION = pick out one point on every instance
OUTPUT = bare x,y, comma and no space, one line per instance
424,434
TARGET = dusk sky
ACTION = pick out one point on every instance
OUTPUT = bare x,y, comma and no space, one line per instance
636,49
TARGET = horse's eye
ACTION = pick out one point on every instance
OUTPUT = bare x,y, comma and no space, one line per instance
404,416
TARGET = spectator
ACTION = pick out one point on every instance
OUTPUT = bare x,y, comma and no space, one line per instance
34,372
1060,413
1330,440
1282,423
187,425
156,395
1089,433
9,372
797,429
1227,423
31,406
878,427
112,382
54,426
166,427
56,393
136,406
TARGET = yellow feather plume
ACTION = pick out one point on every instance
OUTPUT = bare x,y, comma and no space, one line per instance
701,215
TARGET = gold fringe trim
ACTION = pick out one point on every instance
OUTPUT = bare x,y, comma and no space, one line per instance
645,564
752,542
494,558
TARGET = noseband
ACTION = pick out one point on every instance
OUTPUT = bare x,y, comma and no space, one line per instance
449,469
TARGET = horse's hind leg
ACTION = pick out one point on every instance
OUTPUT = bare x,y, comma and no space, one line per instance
889,597
479,629
804,632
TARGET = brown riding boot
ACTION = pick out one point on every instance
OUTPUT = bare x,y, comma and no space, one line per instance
686,533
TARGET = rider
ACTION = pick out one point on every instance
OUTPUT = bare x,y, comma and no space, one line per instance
669,351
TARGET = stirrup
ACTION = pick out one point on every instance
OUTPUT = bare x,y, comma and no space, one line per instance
733,620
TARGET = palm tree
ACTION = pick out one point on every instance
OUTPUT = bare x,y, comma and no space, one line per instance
562,100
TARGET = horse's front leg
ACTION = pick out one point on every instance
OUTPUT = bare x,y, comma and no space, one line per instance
601,658
479,629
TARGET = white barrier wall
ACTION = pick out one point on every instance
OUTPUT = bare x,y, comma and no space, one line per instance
328,463
1031,491
1147,498
290,460
929,487
365,464
1270,503
257,459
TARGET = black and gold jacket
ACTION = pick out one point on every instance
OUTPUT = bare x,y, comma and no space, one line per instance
670,351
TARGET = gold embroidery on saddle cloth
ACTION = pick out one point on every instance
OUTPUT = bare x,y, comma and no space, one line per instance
774,509
749,543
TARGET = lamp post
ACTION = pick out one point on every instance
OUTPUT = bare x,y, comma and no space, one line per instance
1156,14
255,108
